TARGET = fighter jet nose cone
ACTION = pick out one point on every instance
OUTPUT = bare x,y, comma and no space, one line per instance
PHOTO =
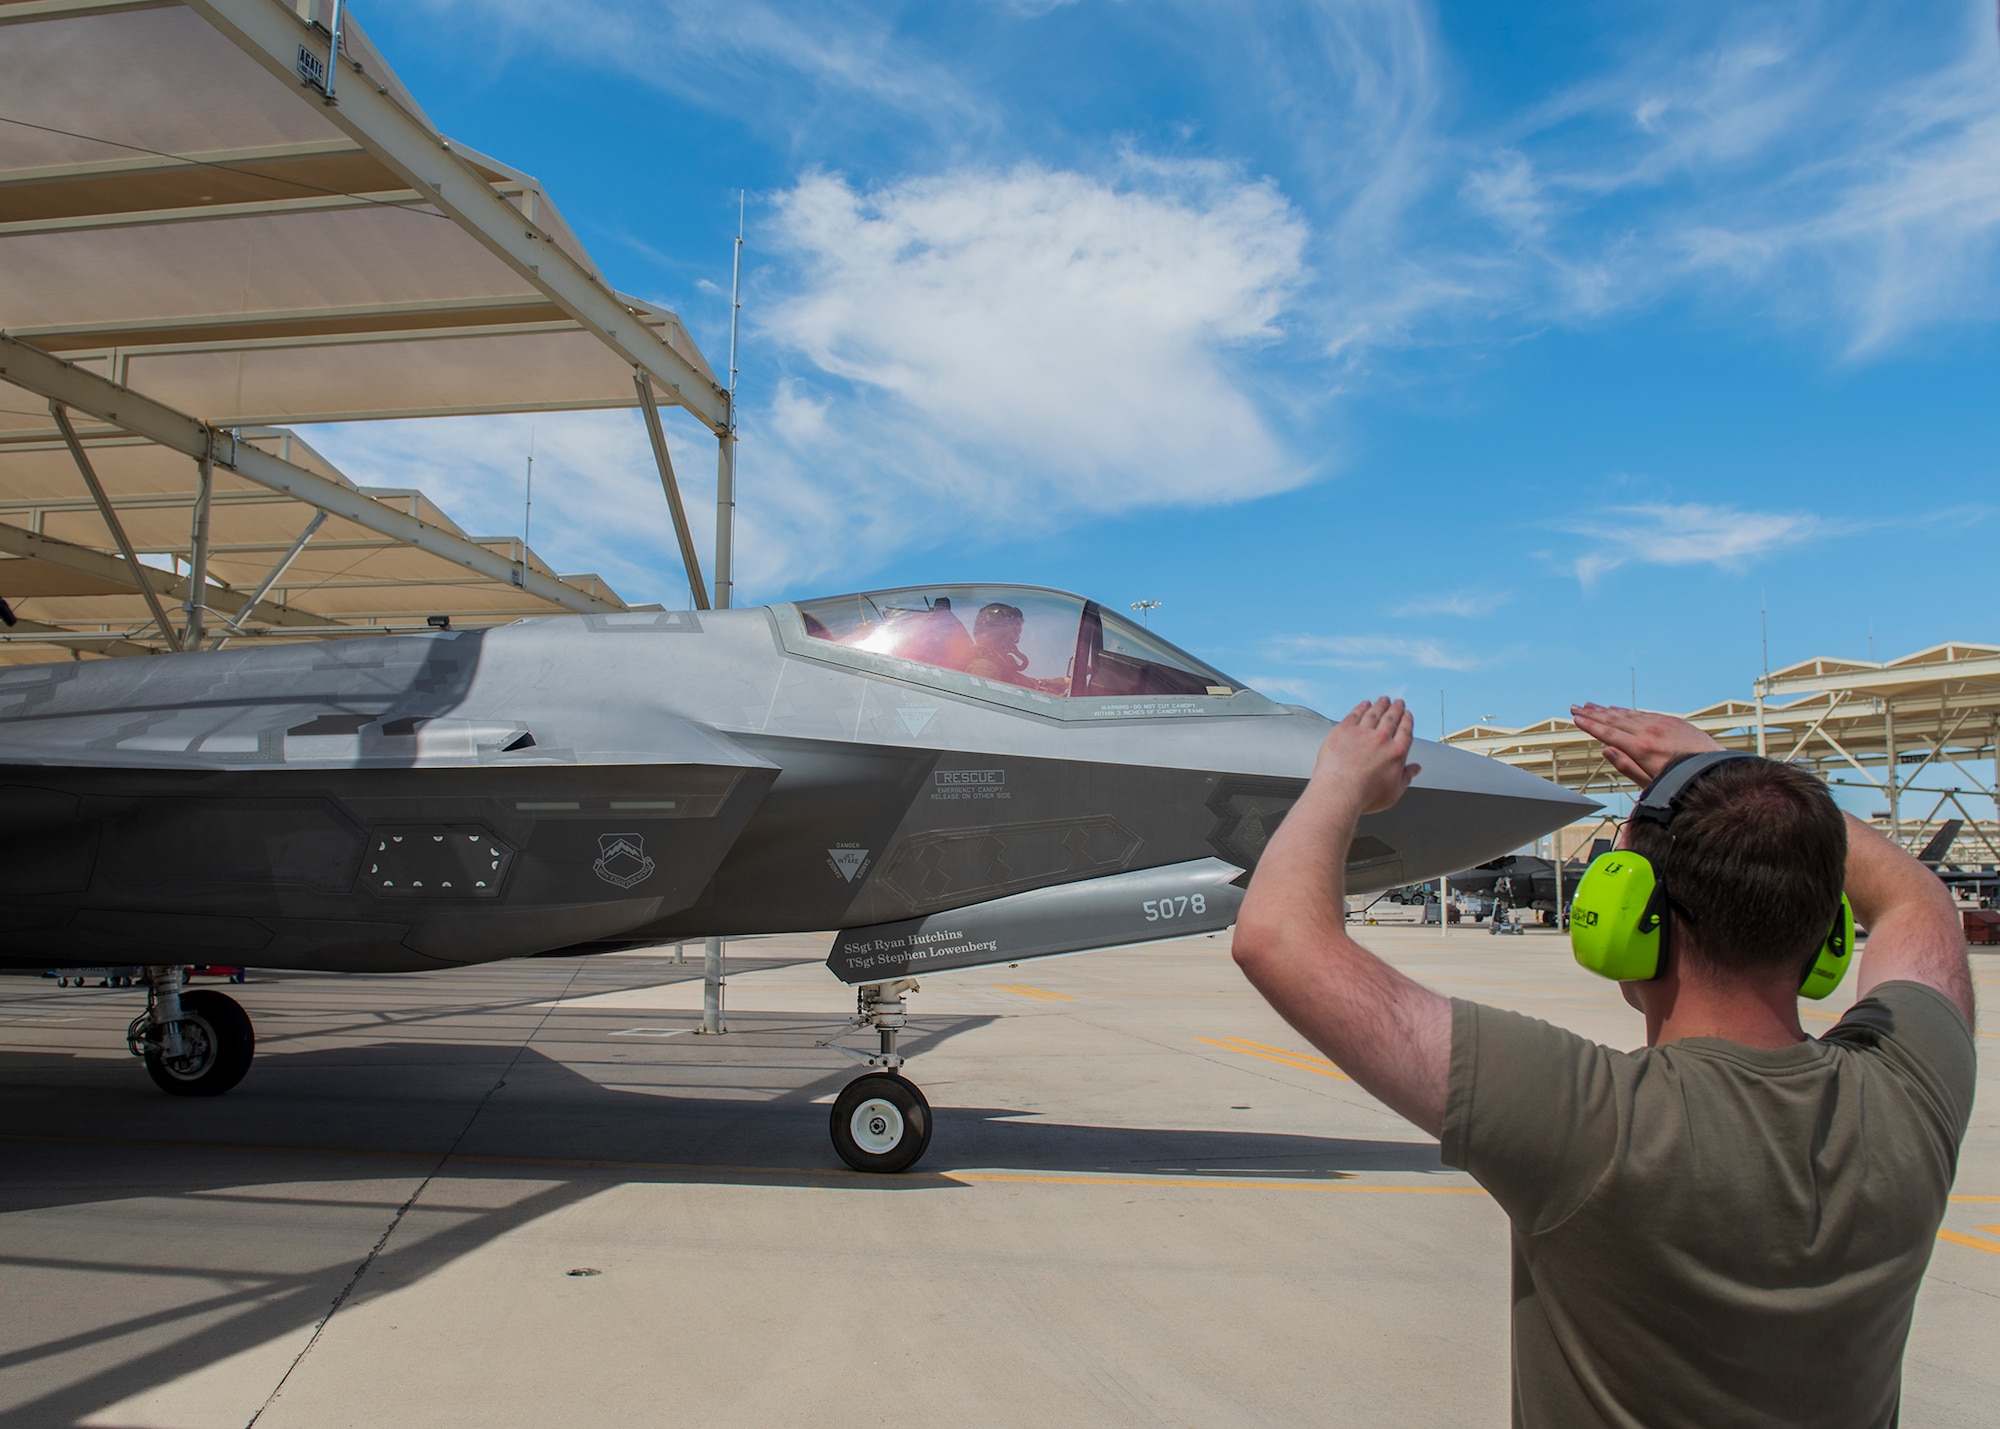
1447,768
1461,810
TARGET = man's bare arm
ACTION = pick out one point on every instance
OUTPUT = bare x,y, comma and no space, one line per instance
1915,933
1391,1034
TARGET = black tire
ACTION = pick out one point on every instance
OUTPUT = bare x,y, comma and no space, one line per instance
221,1043
881,1123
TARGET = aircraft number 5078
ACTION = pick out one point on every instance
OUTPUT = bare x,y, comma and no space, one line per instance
1158,909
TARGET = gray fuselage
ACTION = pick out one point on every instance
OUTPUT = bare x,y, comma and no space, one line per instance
588,782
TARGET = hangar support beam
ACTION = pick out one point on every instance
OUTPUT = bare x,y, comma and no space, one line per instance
657,434
273,34
58,9
58,381
37,632
30,545
135,573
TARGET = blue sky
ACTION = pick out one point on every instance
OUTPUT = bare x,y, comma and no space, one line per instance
1392,346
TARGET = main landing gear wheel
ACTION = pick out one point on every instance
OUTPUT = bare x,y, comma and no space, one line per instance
216,1045
881,1123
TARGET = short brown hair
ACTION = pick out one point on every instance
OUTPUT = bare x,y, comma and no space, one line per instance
1754,859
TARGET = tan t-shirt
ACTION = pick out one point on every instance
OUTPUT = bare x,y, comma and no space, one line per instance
1707,1233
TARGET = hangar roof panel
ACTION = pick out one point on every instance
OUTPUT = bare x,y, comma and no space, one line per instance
167,190
201,203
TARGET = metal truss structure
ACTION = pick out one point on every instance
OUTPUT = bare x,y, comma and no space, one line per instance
223,218
1925,727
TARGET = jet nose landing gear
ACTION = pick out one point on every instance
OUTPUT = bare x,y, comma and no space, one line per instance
880,1121
195,1044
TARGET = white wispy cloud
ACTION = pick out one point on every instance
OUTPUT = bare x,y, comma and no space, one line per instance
1689,534
1828,167
831,53
1464,605
985,350
1369,652
973,344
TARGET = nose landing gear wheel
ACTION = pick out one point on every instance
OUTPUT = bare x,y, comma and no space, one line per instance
881,1123
217,1043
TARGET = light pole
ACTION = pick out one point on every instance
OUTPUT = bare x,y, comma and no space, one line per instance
1145,609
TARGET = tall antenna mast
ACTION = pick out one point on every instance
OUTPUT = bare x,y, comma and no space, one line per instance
735,304
1764,629
527,504
725,445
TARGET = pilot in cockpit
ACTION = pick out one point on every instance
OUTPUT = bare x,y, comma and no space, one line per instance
996,653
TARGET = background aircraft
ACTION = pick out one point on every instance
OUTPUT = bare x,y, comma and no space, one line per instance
1524,880
1982,885
951,776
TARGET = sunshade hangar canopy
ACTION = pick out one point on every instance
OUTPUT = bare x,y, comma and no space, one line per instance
210,229
1924,724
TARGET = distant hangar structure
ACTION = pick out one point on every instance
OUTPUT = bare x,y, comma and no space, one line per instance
1924,727
240,223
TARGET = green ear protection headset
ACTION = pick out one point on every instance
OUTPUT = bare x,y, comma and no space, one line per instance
1615,919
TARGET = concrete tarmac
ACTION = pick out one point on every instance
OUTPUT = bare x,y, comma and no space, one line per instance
529,1194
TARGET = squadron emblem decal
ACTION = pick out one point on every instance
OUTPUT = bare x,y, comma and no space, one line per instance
621,860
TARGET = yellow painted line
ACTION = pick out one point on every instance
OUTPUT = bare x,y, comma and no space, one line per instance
1989,1246
1291,1185
1303,1061
1989,1230
1974,1198
1021,989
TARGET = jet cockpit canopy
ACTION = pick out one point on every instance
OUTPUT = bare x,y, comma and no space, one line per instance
1032,639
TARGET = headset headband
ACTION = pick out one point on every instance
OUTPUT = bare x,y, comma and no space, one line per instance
1663,795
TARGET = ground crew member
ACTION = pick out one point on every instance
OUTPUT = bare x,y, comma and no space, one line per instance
1727,1226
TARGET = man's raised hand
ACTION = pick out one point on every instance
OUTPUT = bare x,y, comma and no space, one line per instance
1366,756
1639,743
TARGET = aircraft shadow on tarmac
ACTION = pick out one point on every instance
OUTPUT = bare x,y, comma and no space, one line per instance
84,1131
723,1110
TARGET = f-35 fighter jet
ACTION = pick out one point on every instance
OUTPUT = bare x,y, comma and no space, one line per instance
951,776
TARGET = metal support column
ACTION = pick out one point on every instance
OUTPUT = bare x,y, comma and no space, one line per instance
1444,905
1556,845
1760,721
1889,775
725,439
725,519
196,607
711,987
649,407
105,509
332,53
